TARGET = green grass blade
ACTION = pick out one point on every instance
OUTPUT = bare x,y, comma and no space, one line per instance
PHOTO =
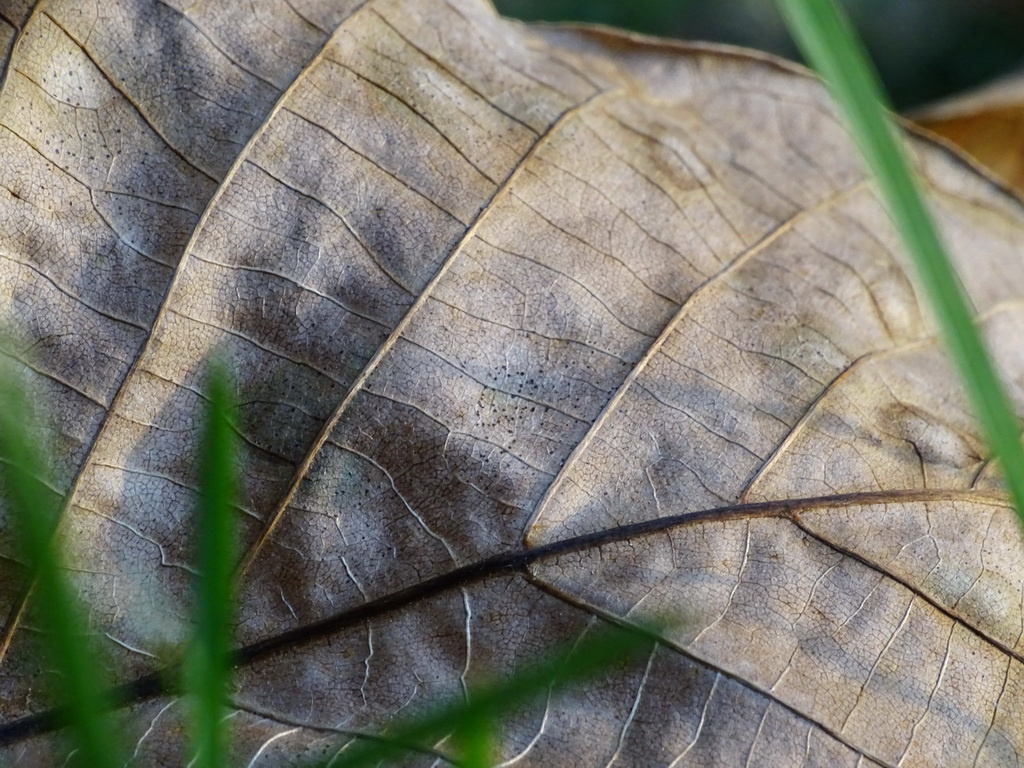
34,507
207,666
475,735
828,42
474,723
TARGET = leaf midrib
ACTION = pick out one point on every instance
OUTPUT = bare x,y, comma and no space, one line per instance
162,682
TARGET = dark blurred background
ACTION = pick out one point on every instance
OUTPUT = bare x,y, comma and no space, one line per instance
924,49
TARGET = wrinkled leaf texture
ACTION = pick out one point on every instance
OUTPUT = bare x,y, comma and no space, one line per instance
535,328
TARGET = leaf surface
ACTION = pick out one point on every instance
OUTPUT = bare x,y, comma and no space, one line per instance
534,329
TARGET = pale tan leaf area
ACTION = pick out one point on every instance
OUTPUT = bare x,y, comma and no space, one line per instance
534,329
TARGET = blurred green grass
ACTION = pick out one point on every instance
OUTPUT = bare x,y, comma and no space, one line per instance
923,49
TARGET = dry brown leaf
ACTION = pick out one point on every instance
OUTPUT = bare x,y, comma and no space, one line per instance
988,123
490,289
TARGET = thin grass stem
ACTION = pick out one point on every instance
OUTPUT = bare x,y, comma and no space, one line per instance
207,665
35,508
